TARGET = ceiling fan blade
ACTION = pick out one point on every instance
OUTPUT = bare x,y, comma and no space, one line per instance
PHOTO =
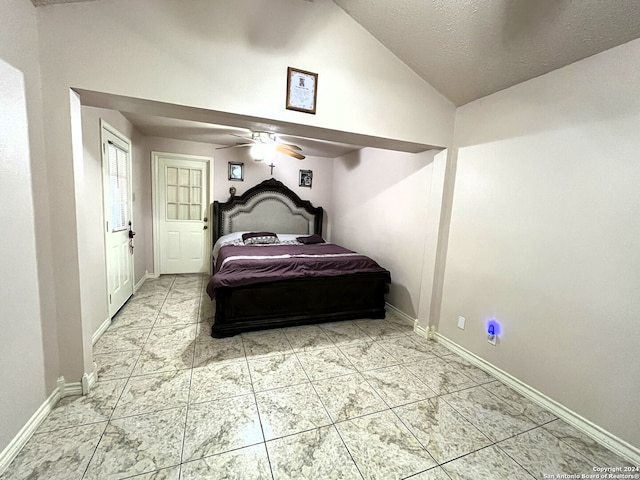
235,146
286,151
290,146
248,139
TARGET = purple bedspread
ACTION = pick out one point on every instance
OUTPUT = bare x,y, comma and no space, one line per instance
246,265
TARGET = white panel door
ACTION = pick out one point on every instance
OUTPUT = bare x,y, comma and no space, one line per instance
182,205
117,203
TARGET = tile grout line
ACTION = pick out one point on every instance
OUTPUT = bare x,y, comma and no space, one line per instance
449,359
193,359
437,464
108,422
494,443
255,400
333,424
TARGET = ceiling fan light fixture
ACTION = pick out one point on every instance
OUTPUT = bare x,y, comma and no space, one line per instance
264,145
259,151
263,137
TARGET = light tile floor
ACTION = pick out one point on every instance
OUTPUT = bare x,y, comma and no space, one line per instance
347,400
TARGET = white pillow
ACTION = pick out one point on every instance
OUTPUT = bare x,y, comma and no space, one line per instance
228,239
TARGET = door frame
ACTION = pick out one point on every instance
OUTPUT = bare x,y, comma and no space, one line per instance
155,186
105,126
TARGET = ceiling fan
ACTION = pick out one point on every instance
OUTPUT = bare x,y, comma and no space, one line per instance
262,142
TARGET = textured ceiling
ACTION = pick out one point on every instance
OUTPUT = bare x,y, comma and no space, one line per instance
468,49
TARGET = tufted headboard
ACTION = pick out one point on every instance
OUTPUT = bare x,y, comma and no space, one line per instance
269,206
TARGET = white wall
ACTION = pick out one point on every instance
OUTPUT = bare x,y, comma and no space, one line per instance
91,219
544,235
286,170
233,57
23,376
218,55
380,202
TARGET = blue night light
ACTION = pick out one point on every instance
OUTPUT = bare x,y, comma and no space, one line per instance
493,327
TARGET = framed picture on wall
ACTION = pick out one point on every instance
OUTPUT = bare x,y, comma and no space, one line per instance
236,171
302,90
306,178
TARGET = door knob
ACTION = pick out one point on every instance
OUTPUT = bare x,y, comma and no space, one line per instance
205,227
205,219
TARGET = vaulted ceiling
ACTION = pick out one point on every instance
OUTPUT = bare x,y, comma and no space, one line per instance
468,49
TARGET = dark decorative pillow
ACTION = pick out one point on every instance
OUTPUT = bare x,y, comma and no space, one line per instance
315,238
259,238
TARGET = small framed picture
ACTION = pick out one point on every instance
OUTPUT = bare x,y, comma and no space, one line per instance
302,90
306,178
236,171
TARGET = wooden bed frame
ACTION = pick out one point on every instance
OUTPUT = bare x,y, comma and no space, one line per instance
271,206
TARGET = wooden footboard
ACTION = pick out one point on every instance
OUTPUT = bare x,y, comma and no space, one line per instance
299,302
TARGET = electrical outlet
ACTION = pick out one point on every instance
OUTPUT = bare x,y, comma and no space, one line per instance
461,322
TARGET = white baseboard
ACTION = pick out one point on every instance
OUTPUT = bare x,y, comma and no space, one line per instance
83,387
101,329
146,276
12,450
89,380
401,315
600,435
68,389
107,323
422,331
63,389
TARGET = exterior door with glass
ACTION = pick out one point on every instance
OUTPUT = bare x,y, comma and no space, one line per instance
116,165
182,189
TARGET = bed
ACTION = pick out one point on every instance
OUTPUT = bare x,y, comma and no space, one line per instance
259,282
